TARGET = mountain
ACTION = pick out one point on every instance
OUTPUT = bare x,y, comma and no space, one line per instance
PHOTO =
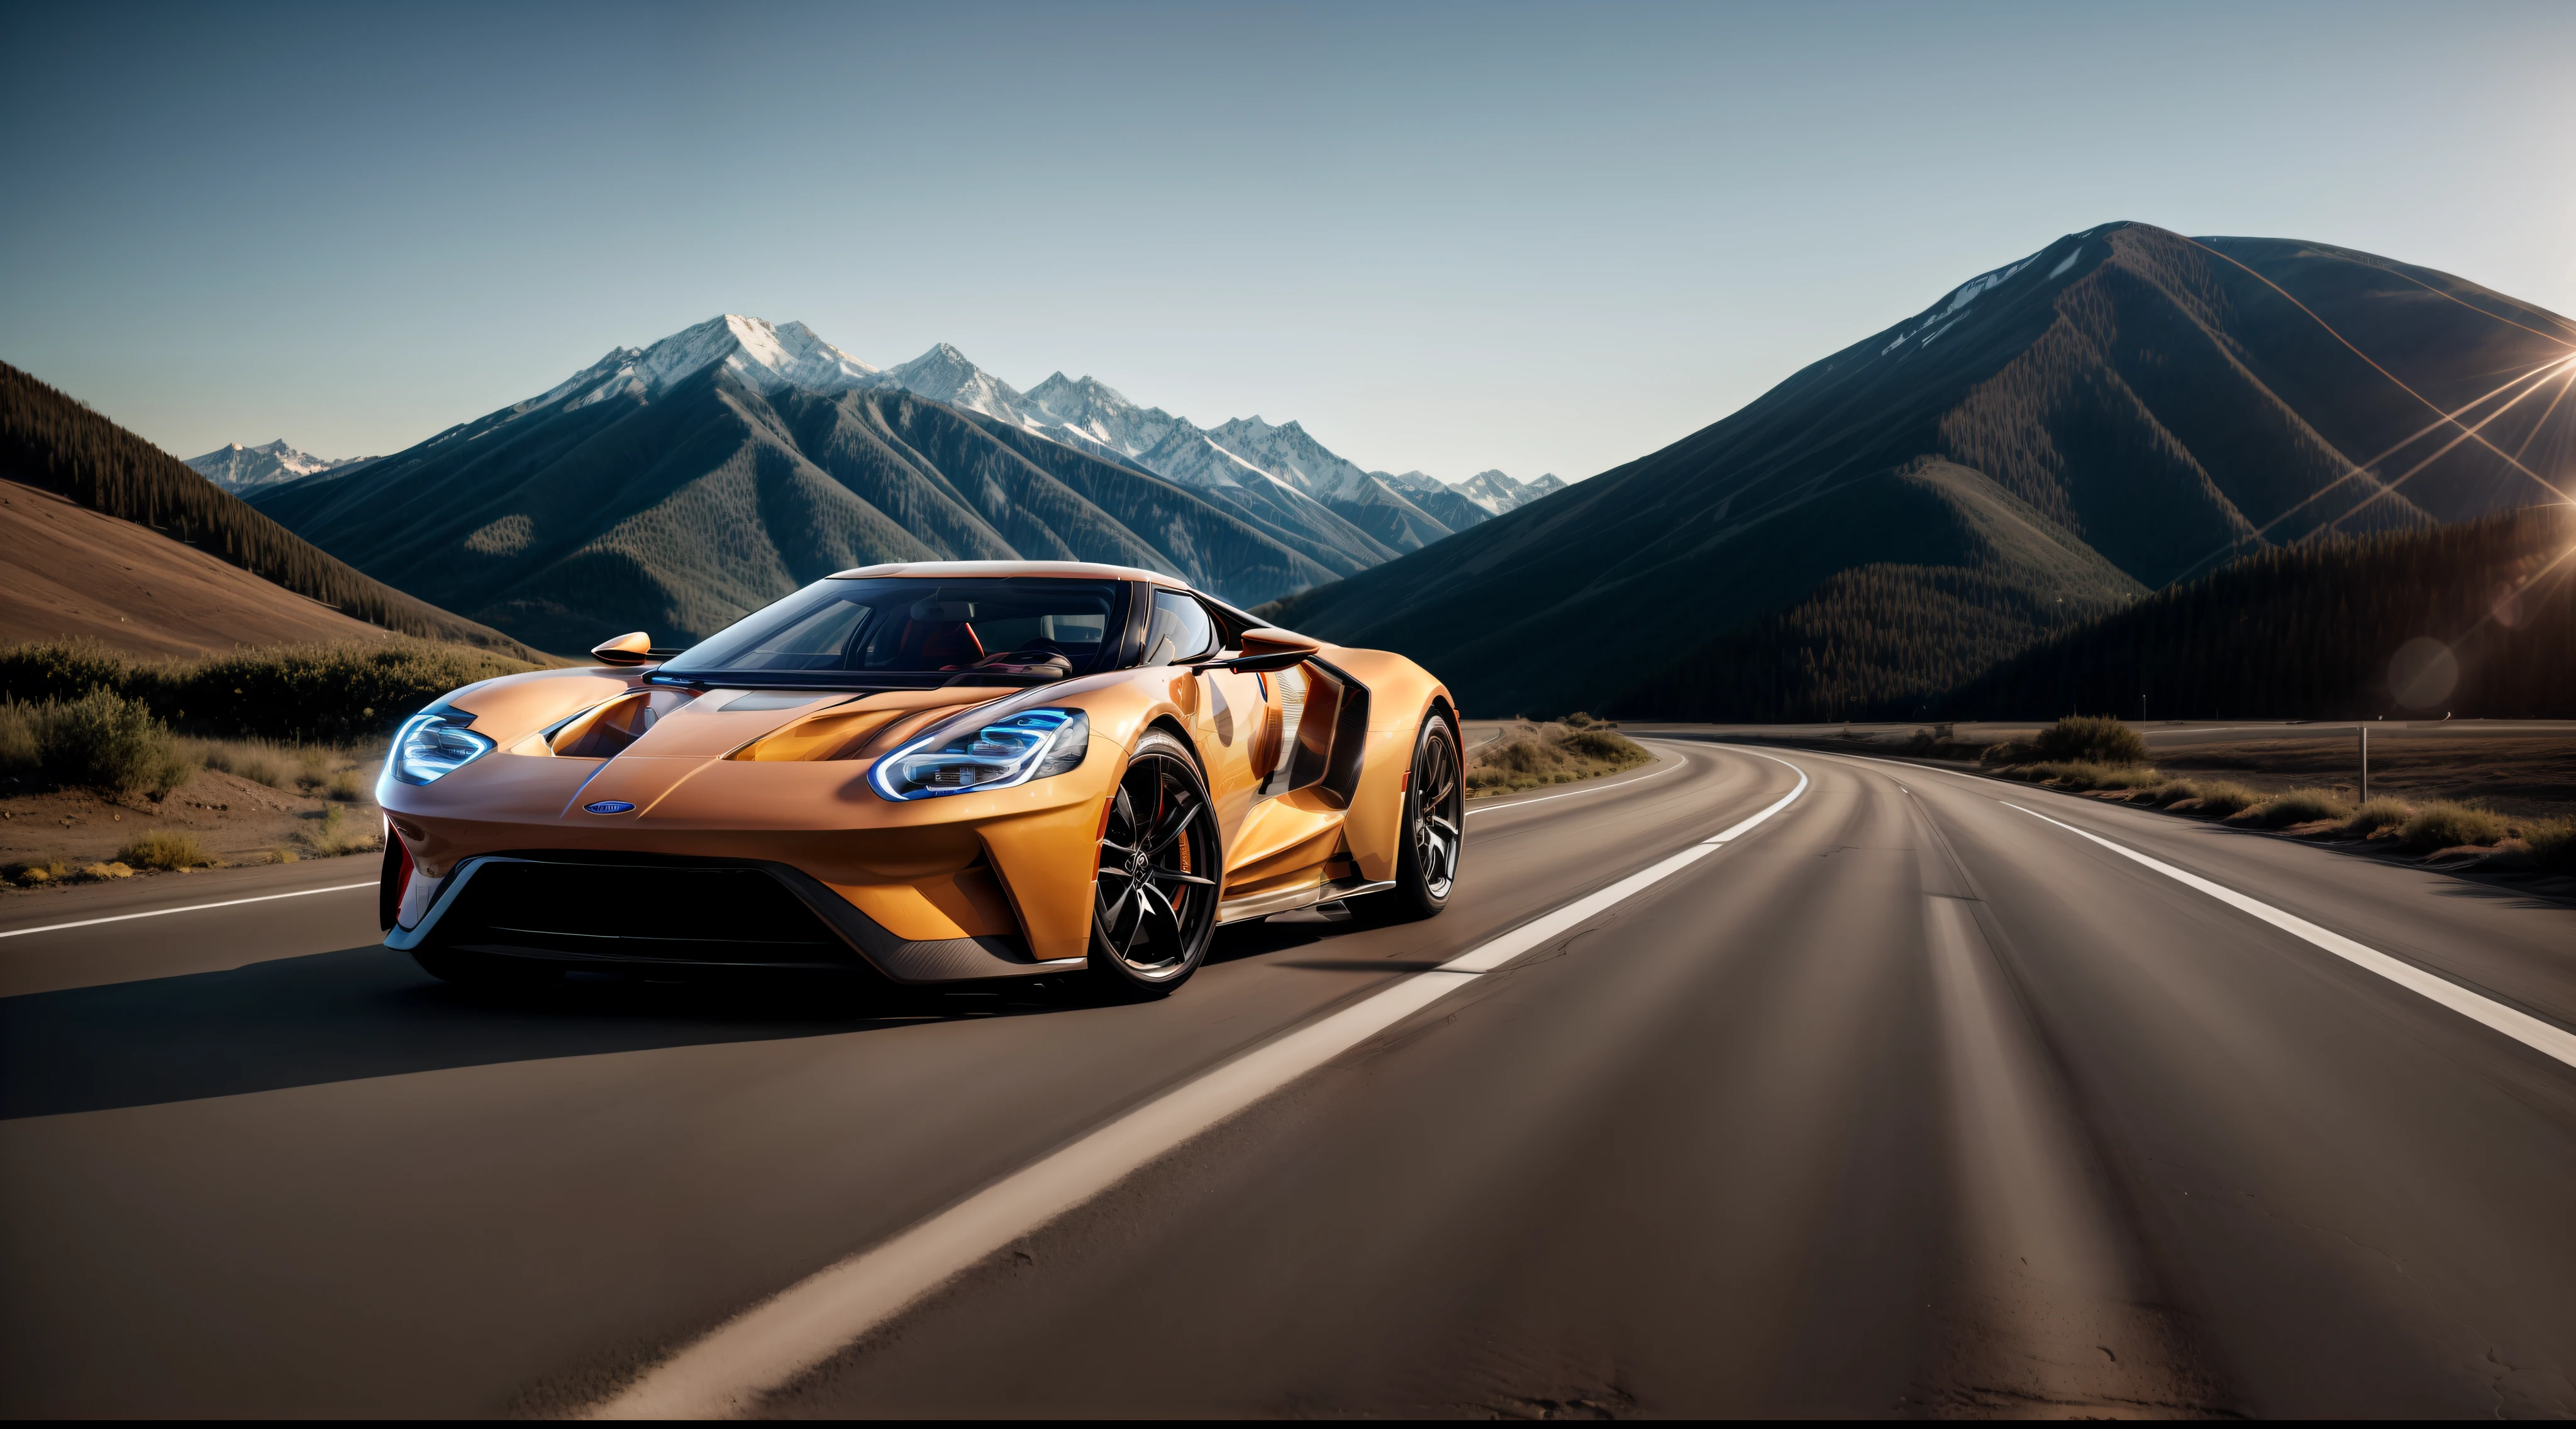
84,575
2122,409
237,468
677,486
1278,477
2477,618
1498,493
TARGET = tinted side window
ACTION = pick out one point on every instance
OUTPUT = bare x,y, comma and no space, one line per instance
1180,630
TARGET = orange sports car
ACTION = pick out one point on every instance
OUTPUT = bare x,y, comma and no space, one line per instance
941,772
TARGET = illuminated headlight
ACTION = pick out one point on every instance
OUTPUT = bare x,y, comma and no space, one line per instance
1034,744
431,746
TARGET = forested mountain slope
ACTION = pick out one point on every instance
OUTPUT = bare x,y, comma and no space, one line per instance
2476,619
52,442
2164,403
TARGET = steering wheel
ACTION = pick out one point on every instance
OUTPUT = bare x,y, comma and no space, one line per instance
1030,654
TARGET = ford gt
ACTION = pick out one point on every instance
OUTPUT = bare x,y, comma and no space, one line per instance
933,773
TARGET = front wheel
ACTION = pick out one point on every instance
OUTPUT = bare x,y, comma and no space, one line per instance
1435,822
1154,903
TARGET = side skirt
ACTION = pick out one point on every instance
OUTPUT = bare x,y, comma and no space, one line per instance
1289,900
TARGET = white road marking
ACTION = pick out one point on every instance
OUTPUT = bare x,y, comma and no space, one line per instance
1595,789
765,1347
1785,800
2522,1027
191,908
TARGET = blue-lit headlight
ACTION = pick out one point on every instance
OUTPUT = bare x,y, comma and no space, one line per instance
430,746
1033,744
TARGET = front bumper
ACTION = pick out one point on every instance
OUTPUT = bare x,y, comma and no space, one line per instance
985,884
636,910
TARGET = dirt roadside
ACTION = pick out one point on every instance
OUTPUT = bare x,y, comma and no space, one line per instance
237,821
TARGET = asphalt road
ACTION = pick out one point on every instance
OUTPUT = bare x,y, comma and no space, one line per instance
1903,1101
2162,733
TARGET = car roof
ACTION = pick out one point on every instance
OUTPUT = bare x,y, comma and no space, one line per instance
1065,570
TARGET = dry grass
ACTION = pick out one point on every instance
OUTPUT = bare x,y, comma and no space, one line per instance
2515,775
335,834
166,848
2378,814
2084,774
2298,806
2442,823
2220,797
321,770
1534,755
260,761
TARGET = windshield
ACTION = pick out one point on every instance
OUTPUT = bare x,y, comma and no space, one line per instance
911,625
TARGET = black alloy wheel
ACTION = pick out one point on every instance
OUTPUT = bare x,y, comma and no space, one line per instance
1435,831
1154,904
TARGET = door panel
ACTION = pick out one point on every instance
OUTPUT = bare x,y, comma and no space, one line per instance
1232,715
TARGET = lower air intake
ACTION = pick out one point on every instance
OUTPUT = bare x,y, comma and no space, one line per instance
639,913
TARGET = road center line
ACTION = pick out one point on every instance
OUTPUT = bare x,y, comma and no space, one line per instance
765,1347
2521,1026
191,908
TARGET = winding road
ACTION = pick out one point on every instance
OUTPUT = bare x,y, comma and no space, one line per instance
1747,1082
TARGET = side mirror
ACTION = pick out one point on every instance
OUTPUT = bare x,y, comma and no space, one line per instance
635,649
1267,649
1248,663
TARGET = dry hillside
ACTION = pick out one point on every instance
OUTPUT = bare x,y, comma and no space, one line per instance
68,573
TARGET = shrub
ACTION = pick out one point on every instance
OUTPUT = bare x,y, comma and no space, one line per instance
334,834
22,738
2085,774
36,875
2223,798
1549,754
166,848
2382,813
2300,806
2443,824
256,760
347,786
106,741
2174,792
104,871
306,693
2092,739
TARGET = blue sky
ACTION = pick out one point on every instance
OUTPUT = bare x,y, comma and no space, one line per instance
1447,237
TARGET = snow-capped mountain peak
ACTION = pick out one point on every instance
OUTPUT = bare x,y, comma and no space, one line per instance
943,374
768,357
239,468
1285,470
1498,493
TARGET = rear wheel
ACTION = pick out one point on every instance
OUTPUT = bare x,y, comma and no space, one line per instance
1154,904
1435,821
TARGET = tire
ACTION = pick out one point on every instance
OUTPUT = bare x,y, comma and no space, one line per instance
485,973
1433,834
1153,906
